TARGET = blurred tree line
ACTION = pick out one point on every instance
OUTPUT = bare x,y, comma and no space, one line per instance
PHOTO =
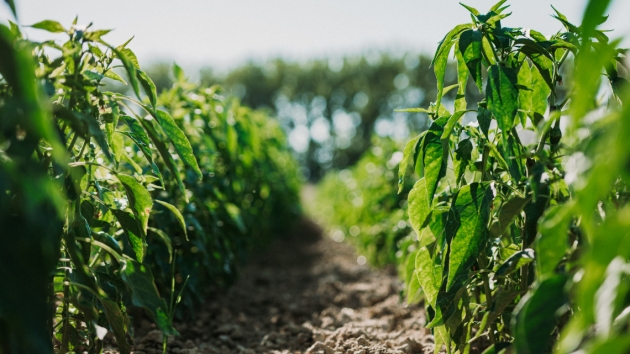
330,108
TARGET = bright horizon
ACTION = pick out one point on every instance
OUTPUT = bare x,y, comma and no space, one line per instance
225,34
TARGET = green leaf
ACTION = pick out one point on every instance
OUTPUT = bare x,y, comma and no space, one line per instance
534,317
441,58
412,288
50,26
525,96
179,140
552,240
448,128
148,86
472,210
114,76
130,67
462,81
96,35
178,215
139,279
540,57
484,117
139,136
408,154
431,163
85,126
497,6
515,261
470,48
140,201
167,241
512,150
502,96
419,205
132,230
11,5
429,273
488,51
509,210
539,94
116,321
463,156
471,9
154,132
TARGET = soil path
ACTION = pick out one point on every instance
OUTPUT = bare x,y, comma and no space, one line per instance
305,294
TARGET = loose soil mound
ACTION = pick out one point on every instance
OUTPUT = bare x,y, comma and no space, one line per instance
306,294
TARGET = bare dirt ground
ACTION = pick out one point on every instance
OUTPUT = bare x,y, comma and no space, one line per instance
305,294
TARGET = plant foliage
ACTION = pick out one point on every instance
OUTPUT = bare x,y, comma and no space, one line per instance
522,241
112,201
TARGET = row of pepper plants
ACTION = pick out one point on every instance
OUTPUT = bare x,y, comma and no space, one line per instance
111,201
523,246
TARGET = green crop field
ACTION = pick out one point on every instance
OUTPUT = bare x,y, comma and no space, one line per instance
506,215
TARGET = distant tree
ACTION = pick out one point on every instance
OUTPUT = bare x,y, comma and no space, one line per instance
330,108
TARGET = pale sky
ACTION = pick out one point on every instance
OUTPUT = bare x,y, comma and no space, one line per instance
227,33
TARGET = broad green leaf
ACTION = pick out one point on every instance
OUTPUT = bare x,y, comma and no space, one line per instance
502,96
114,76
516,261
140,201
488,51
534,317
116,321
131,56
139,279
462,81
154,133
139,136
429,273
463,156
96,35
130,67
178,215
135,236
471,9
50,26
441,58
509,210
409,152
593,17
419,205
539,95
11,5
484,117
470,48
412,286
541,59
472,209
148,86
85,125
431,163
452,120
179,140
496,7
552,240
167,241
525,95
512,150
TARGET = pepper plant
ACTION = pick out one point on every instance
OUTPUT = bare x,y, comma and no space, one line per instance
112,202
483,187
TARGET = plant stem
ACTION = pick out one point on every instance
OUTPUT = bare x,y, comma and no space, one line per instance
488,293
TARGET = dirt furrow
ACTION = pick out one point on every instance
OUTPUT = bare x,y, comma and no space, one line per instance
305,294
